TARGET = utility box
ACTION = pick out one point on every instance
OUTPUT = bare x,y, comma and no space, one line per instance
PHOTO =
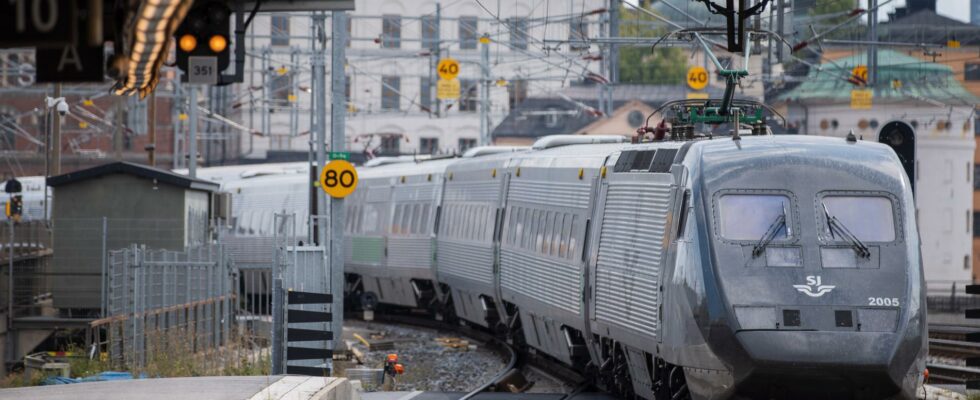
113,206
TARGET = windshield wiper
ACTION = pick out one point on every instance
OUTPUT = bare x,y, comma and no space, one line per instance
770,234
834,224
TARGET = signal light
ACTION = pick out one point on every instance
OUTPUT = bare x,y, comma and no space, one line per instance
187,42
207,23
218,43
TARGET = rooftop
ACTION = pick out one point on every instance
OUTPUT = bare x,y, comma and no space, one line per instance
142,171
921,81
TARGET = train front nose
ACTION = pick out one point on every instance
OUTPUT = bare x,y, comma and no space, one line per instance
823,365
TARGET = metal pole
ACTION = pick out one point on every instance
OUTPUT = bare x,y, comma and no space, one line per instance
780,6
176,104
192,141
151,117
337,143
614,6
873,48
485,92
278,327
11,337
10,280
320,114
438,55
105,229
56,137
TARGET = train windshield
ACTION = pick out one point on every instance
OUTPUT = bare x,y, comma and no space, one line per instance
869,218
750,216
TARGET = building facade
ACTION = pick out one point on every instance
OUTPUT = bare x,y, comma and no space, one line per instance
393,50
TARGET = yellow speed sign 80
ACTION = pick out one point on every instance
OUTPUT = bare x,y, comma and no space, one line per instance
338,178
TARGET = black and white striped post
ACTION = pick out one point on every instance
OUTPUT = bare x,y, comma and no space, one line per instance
287,342
973,313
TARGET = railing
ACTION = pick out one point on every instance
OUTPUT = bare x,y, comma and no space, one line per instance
168,305
948,296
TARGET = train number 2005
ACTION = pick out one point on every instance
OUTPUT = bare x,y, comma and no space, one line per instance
883,301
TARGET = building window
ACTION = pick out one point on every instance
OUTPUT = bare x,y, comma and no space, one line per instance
347,88
551,118
430,32
976,224
135,114
391,31
425,94
467,32
279,88
468,95
7,137
390,89
466,144
390,145
429,145
516,92
578,34
280,30
971,72
518,33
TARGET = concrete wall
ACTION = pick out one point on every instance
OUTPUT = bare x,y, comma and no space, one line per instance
137,211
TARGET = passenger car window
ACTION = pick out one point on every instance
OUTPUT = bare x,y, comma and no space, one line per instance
750,216
870,218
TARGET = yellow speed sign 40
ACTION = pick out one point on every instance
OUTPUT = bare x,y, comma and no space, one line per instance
697,78
338,178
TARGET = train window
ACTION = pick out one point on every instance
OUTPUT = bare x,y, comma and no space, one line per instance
425,219
870,218
370,219
566,228
555,234
539,230
571,237
396,220
517,224
751,216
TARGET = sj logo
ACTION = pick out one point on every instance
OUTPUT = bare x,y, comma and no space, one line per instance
814,287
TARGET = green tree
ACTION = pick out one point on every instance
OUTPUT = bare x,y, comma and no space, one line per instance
663,66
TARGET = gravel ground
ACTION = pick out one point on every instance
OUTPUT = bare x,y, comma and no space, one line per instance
429,365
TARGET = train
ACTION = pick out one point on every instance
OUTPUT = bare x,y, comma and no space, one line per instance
762,267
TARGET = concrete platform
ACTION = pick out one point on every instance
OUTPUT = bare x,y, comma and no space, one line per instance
482,396
197,388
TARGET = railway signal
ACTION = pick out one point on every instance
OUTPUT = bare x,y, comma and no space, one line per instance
203,49
901,138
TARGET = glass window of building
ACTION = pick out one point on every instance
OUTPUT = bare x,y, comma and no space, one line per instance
467,32
390,89
279,30
430,32
468,100
391,31
518,32
429,145
578,34
466,144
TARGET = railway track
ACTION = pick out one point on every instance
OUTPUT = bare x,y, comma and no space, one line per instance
503,381
947,341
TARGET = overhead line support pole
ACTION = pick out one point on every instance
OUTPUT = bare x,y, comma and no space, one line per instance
485,92
320,117
338,112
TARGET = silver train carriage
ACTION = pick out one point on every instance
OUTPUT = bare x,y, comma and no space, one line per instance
768,267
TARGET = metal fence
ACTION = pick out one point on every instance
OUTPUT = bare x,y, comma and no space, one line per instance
161,301
949,296
25,246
